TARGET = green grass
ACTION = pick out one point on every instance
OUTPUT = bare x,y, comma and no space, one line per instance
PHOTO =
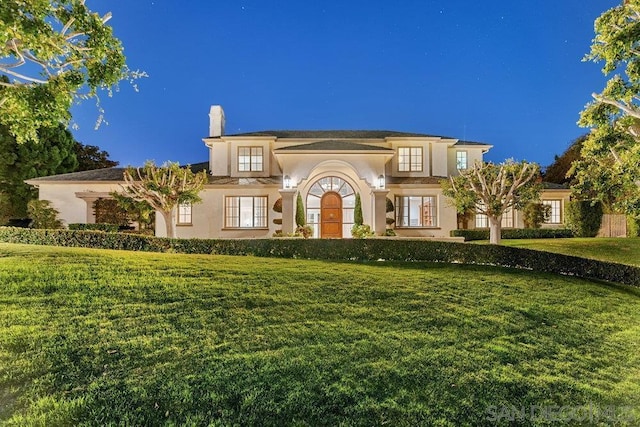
107,337
622,250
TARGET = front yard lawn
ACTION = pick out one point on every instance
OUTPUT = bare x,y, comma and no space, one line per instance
620,249
108,337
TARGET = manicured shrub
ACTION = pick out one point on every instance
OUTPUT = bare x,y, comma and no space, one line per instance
390,232
338,249
633,226
534,214
584,217
300,217
362,231
110,228
43,215
357,211
515,233
108,211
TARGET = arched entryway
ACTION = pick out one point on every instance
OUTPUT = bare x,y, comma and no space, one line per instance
327,197
331,215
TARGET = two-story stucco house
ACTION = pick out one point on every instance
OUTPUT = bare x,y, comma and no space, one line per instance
249,172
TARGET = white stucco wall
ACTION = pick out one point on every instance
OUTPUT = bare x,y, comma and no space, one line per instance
63,197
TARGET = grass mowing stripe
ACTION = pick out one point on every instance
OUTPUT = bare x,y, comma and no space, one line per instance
101,337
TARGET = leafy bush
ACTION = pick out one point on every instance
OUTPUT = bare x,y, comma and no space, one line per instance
584,217
43,215
304,230
110,228
361,231
300,217
339,249
357,211
515,233
534,214
390,232
109,211
633,227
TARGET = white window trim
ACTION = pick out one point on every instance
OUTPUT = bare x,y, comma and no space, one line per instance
410,163
251,158
435,215
227,218
184,210
466,159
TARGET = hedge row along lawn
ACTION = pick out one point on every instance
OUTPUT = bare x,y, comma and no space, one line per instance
622,250
100,337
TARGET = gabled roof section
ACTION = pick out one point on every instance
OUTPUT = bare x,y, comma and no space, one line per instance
333,145
470,143
337,134
104,175
108,174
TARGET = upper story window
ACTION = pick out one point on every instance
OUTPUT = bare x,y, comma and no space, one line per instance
410,159
245,212
416,211
556,211
462,161
184,213
250,159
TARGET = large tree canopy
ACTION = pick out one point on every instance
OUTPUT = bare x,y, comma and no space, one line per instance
164,188
54,154
558,172
610,166
491,189
54,52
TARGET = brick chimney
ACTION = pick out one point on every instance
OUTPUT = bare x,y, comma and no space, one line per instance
216,121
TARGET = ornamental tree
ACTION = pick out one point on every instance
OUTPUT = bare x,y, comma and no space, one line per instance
54,53
609,169
491,189
164,188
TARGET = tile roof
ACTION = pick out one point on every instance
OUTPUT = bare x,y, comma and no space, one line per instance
107,174
333,134
333,145
414,180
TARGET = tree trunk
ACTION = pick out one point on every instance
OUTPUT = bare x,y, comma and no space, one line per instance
169,223
494,230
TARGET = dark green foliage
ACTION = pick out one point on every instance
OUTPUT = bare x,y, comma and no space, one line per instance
53,154
633,227
91,157
339,249
109,211
557,171
300,217
584,217
43,215
277,205
357,211
390,207
138,211
390,232
534,214
515,233
106,227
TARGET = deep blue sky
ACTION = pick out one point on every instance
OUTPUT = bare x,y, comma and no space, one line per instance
509,73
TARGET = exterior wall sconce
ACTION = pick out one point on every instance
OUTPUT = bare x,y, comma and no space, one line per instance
381,182
286,182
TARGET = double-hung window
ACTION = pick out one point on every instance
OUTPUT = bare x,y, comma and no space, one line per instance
462,162
416,211
184,213
245,212
410,159
556,211
250,159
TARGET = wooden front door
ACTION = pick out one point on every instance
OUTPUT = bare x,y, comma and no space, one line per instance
331,215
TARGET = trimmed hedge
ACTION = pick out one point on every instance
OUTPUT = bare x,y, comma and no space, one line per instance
515,233
101,226
339,249
584,217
